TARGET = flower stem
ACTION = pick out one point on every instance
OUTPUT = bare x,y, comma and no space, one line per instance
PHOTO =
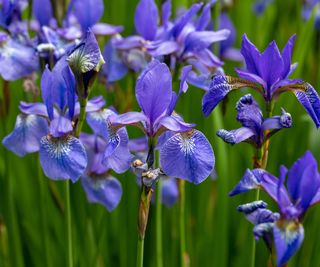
143,215
42,203
183,254
82,116
158,219
68,221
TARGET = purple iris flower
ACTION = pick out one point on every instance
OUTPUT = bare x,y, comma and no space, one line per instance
302,191
253,124
169,191
187,154
268,73
17,59
99,185
49,127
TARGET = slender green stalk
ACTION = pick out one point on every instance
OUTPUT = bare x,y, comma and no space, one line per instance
69,229
82,116
158,219
183,254
43,215
140,250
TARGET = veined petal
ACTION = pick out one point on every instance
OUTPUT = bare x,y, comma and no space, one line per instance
25,138
98,121
288,239
310,100
86,56
62,158
235,136
104,190
119,160
146,19
187,156
218,89
169,192
153,90
88,12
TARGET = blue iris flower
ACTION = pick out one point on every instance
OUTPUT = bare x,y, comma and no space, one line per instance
302,191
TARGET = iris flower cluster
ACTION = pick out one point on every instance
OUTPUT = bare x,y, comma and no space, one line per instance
268,74
65,50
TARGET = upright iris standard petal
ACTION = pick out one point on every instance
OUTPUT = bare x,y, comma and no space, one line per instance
28,131
251,55
288,238
153,90
146,19
88,12
62,158
60,126
42,10
104,190
310,100
286,56
187,156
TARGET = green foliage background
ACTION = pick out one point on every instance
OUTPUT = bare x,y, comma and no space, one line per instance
217,235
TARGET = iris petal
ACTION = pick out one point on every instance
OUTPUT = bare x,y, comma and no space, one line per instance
288,239
169,192
106,191
62,158
25,138
187,156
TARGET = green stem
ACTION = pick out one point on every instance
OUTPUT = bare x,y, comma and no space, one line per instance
68,221
158,219
82,116
183,253
42,202
140,249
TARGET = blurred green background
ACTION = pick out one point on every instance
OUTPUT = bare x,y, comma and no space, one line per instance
217,235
